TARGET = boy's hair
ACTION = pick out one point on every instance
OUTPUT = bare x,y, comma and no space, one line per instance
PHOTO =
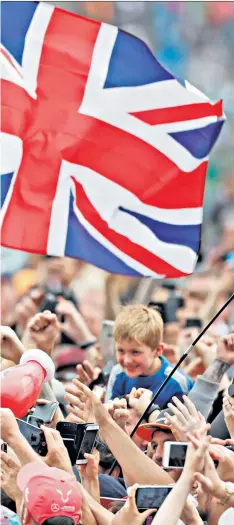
139,323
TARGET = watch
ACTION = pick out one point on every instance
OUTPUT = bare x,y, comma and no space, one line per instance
229,488
88,344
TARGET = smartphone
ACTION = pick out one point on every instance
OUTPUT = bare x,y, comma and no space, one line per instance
231,389
194,322
107,342
152,496
174,455
34,436
69,443
88,443
46,412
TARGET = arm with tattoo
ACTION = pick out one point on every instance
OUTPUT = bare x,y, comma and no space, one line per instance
216,371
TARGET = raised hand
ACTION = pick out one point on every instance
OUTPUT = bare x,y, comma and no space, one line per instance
11,347
79,406
186,418
57,455
195,456
86,373
26,308
9,426
210,480
129,514
74,325
10,466
225,349
118,411
90,470
228,408
42,332
140,399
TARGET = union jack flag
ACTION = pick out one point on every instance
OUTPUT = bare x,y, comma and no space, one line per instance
104,151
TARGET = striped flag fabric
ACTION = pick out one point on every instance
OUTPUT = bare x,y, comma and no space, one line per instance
104,151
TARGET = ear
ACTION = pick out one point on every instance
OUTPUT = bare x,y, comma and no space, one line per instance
159,349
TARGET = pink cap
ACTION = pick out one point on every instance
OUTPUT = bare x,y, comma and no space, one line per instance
49,492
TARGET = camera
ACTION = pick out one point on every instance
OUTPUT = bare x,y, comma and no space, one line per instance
78,439
34,436
194,322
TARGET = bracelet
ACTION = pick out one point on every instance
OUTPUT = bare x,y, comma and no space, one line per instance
88,344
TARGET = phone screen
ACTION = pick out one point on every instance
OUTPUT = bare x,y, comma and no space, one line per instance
151,497
177,455
46,412
107,341
88,443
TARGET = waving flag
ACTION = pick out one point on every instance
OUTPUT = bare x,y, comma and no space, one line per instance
104,151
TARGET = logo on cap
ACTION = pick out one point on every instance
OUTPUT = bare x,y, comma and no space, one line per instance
55,507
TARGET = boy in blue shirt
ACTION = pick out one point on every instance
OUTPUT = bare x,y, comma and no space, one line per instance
138,335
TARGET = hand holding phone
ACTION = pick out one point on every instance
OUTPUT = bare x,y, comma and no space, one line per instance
88,443
45,412
151,496
34,436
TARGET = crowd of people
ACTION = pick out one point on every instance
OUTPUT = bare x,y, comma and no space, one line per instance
61,306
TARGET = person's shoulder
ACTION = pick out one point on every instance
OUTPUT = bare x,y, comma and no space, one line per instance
180,377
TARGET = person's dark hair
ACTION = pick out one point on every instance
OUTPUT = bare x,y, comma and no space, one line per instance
204,515
159,429
59,520
7,502
106,457
116,506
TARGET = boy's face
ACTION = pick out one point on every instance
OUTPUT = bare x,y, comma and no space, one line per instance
136,358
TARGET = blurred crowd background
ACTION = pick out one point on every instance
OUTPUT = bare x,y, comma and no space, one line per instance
195,40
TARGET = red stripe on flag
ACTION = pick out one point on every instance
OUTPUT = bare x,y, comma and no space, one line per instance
180,113
27,218
26,222
132,249
16,107
136,165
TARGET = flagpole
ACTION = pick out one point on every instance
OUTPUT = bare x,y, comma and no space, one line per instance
183,357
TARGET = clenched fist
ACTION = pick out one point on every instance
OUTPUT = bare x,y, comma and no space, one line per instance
225,350
42,332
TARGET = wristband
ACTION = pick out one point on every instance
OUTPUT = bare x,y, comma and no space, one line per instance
150,411
88,344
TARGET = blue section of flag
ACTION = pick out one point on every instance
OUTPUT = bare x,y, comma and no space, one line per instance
133,64
199,141
5,185
80,244
16,19
186,235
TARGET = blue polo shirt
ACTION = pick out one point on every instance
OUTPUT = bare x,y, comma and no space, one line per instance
180,383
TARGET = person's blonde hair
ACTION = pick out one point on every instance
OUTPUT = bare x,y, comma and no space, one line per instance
139,323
